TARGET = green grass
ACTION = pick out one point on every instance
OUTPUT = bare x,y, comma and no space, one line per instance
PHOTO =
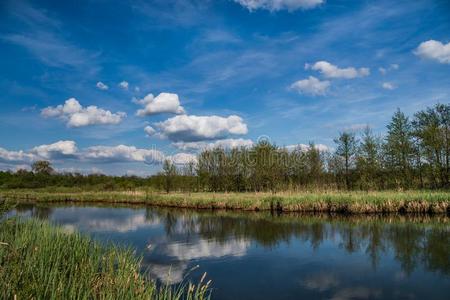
41,261
349,202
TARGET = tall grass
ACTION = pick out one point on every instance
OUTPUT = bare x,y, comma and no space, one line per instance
41,261
349,202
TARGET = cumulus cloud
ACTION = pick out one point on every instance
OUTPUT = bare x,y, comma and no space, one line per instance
60,149
276,5
15,156
434,50
101,86
56,150
224,144
96,154
77,116
311,86
388,86
163,103
191,128
124,85
149,130
123,153
331,71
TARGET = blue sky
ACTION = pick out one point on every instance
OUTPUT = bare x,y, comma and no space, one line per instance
76,76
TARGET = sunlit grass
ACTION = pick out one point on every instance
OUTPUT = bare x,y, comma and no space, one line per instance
40,261
332,201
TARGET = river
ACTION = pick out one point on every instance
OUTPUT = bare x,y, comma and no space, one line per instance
270,256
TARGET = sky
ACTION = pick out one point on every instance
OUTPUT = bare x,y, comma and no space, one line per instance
118,86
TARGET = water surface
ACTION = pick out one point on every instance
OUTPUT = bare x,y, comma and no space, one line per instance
265,256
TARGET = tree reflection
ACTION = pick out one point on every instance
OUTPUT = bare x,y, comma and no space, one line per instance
412,240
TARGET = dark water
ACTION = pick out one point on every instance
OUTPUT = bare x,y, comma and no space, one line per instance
264,256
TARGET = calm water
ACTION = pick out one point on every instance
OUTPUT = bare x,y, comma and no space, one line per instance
264,256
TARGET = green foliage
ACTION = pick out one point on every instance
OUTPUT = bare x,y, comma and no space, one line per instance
432,129
4,207
368,161
346,150
42,167
169,171
399,149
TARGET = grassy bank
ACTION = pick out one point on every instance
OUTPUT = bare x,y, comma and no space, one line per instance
345,202
40,261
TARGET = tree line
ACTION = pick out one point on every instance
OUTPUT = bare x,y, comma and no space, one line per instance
414,153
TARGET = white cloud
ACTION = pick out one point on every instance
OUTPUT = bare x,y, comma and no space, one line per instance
311,86
224,144
56,150
123,153
383,70
15,156
434,50
163,103
276,5
96,154
100,85
332,71
182,158
149,130
124,85
388,86
77,116
184,128
60,149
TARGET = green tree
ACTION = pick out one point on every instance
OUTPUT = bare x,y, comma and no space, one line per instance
368,159
314,164
346,150
399,149
169,171
42,167
432,130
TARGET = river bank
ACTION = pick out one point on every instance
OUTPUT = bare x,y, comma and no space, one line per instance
333,202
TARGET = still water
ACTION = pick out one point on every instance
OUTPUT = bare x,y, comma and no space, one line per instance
265,256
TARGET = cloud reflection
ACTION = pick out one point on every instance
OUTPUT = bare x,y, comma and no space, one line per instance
321,282
357,293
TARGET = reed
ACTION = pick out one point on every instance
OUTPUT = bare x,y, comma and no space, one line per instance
41,261
330,201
